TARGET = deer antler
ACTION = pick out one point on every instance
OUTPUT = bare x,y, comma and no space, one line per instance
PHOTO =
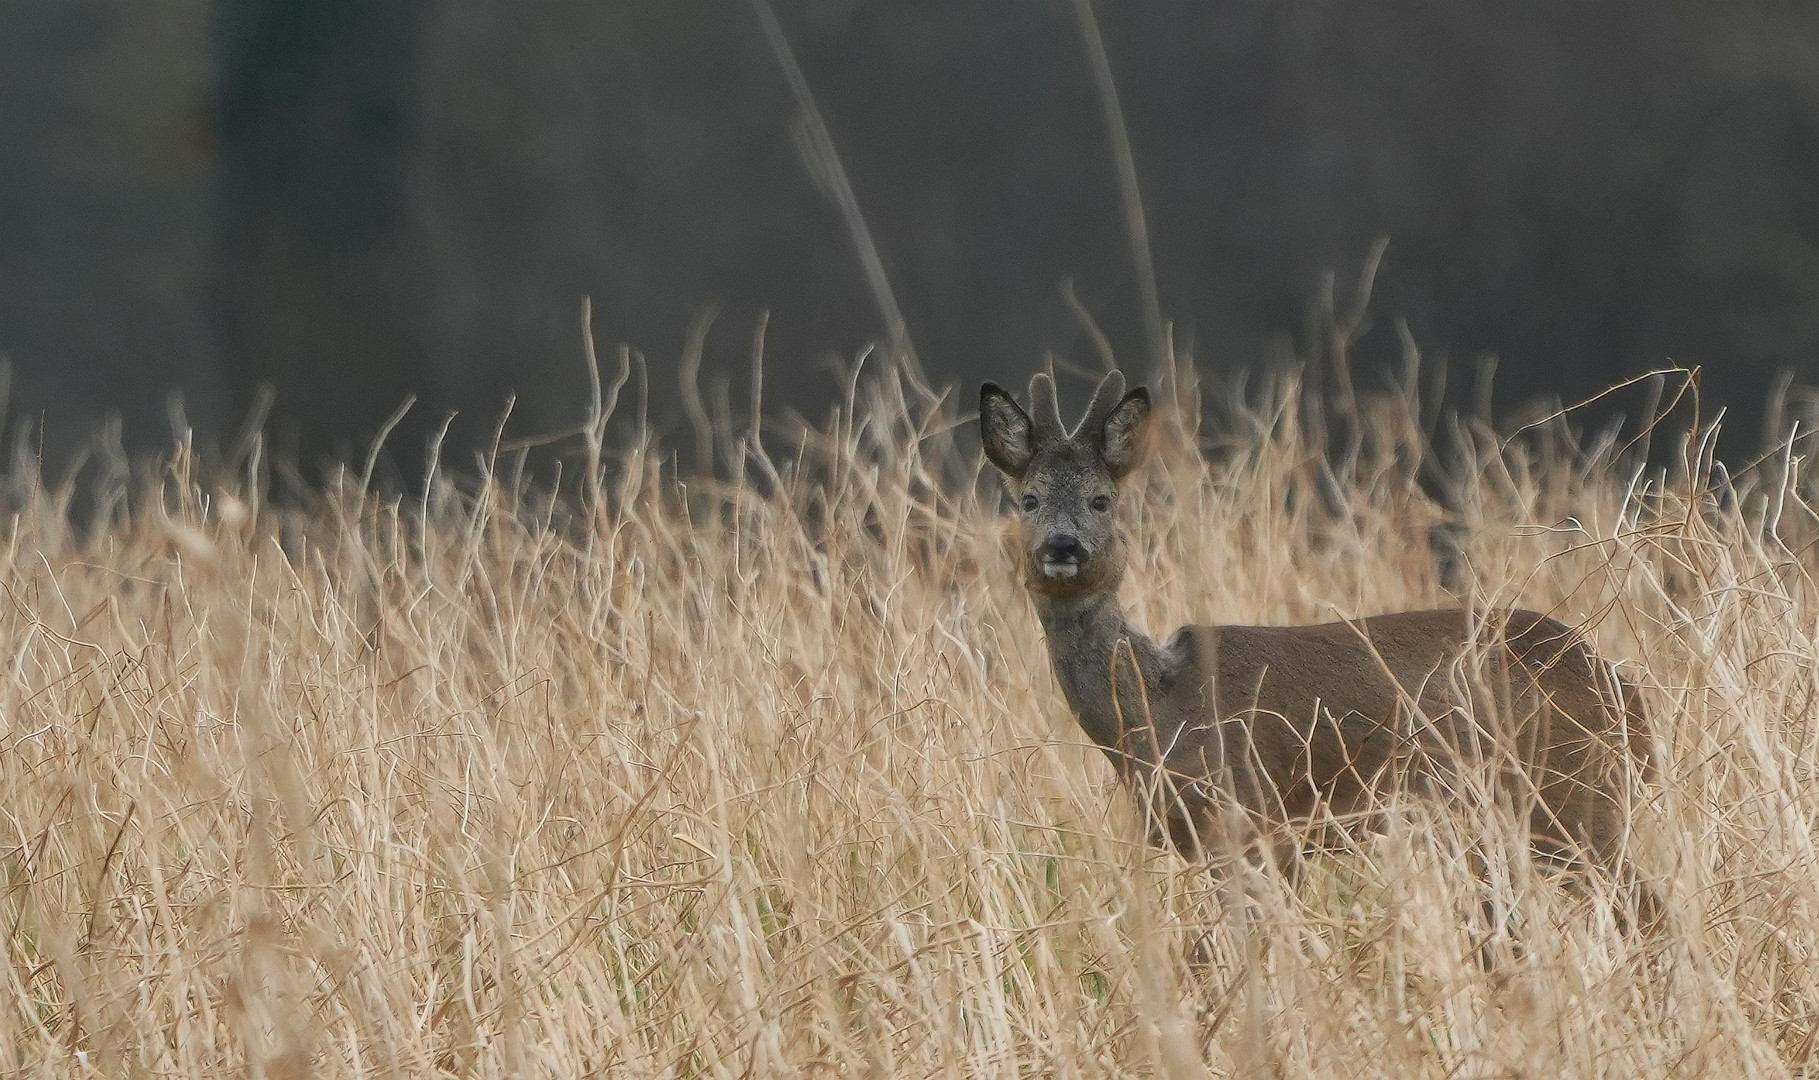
1105,399
1045,411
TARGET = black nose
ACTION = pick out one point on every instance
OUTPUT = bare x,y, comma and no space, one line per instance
1063,548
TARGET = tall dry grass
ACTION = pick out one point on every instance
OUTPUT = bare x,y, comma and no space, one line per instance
767,775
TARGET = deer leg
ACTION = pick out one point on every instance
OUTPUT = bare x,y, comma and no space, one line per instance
1494,922
1598,822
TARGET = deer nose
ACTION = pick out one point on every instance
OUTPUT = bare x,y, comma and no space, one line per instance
1063,548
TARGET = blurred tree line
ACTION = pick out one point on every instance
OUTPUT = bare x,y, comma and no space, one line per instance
349,201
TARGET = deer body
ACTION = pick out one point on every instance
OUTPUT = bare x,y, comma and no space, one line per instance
1301,725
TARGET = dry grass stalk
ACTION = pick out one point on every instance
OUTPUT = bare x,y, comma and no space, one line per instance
772,778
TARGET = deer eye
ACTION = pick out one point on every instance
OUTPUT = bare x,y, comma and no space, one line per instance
1102,503
1029,504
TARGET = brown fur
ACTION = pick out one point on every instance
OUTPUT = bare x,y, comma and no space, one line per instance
1302,725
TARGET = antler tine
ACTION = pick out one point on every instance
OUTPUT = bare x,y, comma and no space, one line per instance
1105,399
1045,410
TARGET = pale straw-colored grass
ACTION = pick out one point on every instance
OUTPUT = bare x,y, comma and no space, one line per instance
767,776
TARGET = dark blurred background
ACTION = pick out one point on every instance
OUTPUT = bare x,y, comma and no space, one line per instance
350,200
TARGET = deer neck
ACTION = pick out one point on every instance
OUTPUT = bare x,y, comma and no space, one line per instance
1093,650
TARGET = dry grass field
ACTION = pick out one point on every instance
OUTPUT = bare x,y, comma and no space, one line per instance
768,776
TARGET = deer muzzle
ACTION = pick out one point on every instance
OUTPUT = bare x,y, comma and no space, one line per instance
1061,557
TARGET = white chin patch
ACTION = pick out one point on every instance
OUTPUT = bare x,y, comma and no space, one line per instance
1059,570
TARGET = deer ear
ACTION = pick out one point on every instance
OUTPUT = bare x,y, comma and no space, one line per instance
1006,429
1125,437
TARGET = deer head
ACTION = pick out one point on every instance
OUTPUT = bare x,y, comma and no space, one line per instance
1066,482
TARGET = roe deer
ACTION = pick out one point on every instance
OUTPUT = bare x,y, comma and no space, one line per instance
1290,724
